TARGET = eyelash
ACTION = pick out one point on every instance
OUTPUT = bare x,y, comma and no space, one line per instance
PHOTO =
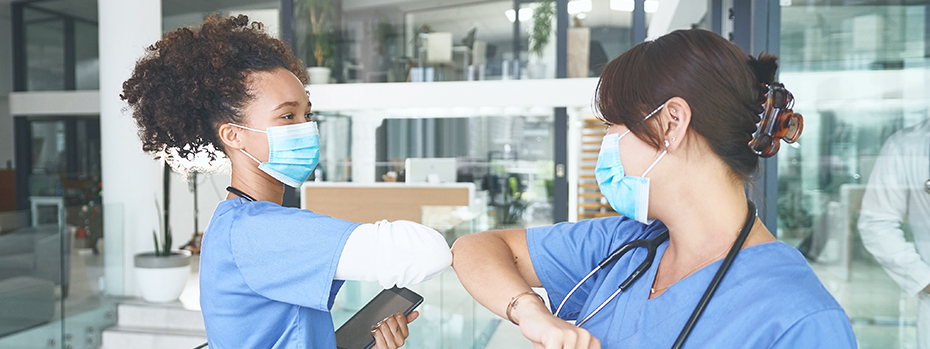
309,116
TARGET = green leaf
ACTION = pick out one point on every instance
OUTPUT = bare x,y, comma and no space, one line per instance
542,26
155,239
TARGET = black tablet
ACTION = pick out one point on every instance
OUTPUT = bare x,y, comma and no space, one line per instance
356,333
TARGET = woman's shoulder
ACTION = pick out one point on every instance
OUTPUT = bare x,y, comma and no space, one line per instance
773,284
618,227
262,215
775,274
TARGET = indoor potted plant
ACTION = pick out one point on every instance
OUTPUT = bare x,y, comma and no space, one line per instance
161,275
510,212
539,38
319,38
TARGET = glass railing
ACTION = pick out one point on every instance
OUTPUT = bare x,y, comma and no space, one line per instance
52,278
449,316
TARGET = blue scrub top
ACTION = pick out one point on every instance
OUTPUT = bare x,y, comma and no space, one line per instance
266,276
770,297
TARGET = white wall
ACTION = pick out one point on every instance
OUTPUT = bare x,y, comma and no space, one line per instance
131,178
6,85
211,189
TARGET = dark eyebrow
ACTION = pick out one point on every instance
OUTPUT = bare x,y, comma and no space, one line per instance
285,104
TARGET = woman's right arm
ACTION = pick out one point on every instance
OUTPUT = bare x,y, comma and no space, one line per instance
495,266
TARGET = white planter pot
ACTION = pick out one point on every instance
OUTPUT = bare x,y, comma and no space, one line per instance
162,279
319,75
536,70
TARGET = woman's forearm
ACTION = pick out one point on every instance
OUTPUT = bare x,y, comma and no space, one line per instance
493,273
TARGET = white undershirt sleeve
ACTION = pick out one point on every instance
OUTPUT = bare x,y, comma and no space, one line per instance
398,253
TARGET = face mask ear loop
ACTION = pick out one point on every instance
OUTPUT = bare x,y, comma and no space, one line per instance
655,162
247,128
654,112
250,156
623,135
243,150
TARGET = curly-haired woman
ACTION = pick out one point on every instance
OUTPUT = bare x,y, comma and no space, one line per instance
268,274
681,146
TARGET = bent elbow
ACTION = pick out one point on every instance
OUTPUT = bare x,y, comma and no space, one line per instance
461,249
418,254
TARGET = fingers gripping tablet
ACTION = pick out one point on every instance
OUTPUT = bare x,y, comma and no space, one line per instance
356,333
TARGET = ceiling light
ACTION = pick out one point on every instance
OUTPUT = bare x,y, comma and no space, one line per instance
525,14
622,5
650,6
579,6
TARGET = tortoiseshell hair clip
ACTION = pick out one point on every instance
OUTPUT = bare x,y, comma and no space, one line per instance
778,121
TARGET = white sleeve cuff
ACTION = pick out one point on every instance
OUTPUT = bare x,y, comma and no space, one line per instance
397,253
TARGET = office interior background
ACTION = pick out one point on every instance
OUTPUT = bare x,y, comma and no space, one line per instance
460,85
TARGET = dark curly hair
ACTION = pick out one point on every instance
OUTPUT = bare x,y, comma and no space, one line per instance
194,79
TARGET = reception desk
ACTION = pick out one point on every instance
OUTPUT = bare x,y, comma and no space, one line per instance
371,202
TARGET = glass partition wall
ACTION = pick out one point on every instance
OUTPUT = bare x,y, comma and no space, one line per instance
852,192
58,47
858,73
507,157
422,41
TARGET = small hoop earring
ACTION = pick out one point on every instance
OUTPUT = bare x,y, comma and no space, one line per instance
673,139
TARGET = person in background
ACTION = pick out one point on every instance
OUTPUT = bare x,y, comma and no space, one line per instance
681,112
897,196
268,274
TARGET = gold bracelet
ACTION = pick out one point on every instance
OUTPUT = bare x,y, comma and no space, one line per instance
513,302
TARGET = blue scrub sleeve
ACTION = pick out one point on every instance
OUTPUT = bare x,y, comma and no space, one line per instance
827,328
562,254
289,255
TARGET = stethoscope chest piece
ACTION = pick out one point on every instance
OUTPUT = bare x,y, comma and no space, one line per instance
927,186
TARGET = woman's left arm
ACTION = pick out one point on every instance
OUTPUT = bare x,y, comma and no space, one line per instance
397,253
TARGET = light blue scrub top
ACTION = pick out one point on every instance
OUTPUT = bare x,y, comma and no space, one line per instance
266,276
770,297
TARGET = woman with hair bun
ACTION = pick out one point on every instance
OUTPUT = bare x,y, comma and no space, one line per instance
268,274
688,116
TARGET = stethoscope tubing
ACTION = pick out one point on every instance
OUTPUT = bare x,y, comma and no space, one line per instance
651,245
721,272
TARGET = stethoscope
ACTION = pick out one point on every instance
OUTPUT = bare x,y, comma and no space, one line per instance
239,193
651,245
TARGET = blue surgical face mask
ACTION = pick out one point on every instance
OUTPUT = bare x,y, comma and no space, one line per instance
628,195
293,152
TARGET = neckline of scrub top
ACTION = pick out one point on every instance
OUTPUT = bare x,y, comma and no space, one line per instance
682,296
660,252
